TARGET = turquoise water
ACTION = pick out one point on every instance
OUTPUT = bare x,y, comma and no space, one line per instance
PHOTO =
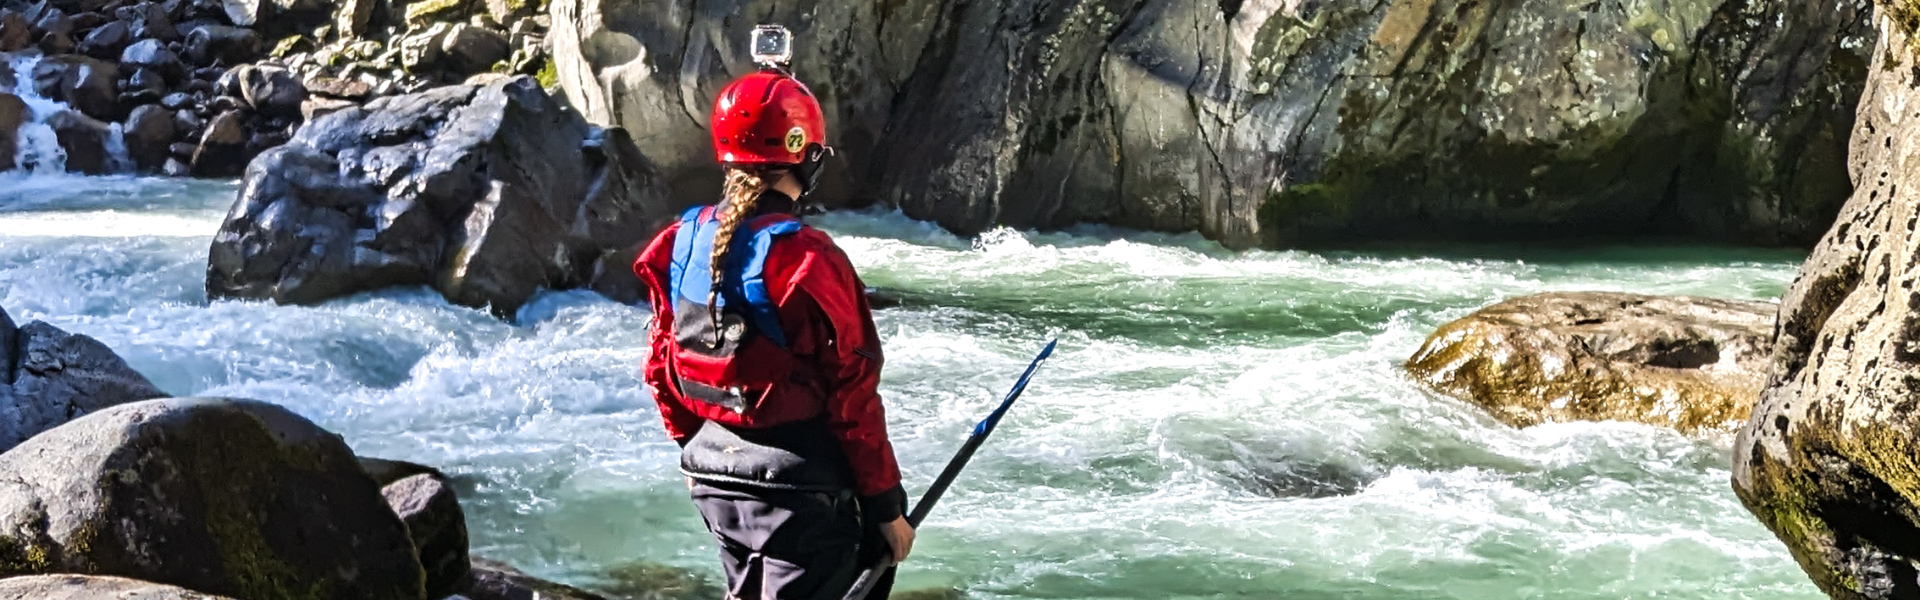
1215,425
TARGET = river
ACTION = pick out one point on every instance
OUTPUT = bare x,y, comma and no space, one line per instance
1216,424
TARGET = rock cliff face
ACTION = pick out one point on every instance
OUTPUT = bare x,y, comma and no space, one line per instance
1276,121
1830,459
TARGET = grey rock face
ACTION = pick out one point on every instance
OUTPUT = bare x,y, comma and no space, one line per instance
1828,459
92,587
488,193
1275,122
229,497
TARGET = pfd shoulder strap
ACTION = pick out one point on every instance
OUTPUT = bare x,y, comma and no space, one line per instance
692,276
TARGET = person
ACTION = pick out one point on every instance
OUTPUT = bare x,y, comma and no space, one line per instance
766,363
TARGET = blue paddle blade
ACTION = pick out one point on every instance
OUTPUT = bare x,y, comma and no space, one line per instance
993,419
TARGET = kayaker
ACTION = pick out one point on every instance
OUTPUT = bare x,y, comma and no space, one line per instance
766,364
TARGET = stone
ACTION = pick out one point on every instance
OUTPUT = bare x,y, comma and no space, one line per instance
344,89
230,497
270,91
175,168
176,101
223,45
146,82
488,580
152,54
317,107
222,151
57,43
426,503
107,41
385,472
1828,459
1278,123
49,377
15,31
421,52
148,133
1693,364
351,17
186,122
467,49
487,193
85,141
53,20
150,21
83,83
13,113
424,12
93,587
276,19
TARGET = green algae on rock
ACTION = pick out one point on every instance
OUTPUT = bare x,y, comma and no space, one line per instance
1830,460
228,497
1694,364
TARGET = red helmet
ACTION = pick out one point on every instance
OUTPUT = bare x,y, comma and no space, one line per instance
767,118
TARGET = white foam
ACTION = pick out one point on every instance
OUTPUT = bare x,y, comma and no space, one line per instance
106,224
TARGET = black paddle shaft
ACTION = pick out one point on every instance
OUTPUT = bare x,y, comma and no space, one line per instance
871,575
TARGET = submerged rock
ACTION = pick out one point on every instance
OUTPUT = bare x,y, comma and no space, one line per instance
1276,122
487,193
1687,363
93,587
229,497
1830,460
49,377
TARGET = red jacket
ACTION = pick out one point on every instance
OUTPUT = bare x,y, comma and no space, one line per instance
823,309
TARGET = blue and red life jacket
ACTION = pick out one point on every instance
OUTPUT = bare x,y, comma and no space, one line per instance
734,354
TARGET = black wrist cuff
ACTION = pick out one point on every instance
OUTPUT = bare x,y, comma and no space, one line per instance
886,506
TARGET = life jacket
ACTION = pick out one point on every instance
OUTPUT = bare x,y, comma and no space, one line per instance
740,360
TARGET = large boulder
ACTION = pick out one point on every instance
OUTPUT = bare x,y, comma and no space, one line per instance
428,506
92,587
1688,363
227,497
1830,460
220,44
49,377
1275,122
85,140
149,131
15,31
486,192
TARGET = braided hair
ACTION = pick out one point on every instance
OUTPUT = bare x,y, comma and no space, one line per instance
742,193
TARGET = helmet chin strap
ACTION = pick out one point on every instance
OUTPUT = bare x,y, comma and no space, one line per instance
809,171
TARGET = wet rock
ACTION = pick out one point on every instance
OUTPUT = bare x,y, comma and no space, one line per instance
210,44
57,43
427,505
53,20
176,101
207,494
154,55
1688,363
49,377
148,133
1278,123
186,122
93,587
107,41
654,580
276,19
150,21
222,151
270,91
175,168
614,278
467,49
145,86
15,31
13,113
488,580
1827,460
85,141
487,193
83,83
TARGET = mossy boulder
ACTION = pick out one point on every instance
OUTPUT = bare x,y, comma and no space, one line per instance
90,587
1830,460
1693,364
229,497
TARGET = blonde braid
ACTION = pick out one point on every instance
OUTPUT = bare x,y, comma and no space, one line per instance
742,193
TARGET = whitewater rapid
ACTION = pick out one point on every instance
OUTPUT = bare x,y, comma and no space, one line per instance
1215,425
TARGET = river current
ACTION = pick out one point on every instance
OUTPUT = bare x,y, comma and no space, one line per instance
1216,424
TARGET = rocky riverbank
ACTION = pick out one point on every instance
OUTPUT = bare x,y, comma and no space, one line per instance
110,489
200,87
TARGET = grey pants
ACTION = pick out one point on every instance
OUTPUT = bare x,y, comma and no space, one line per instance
787,545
